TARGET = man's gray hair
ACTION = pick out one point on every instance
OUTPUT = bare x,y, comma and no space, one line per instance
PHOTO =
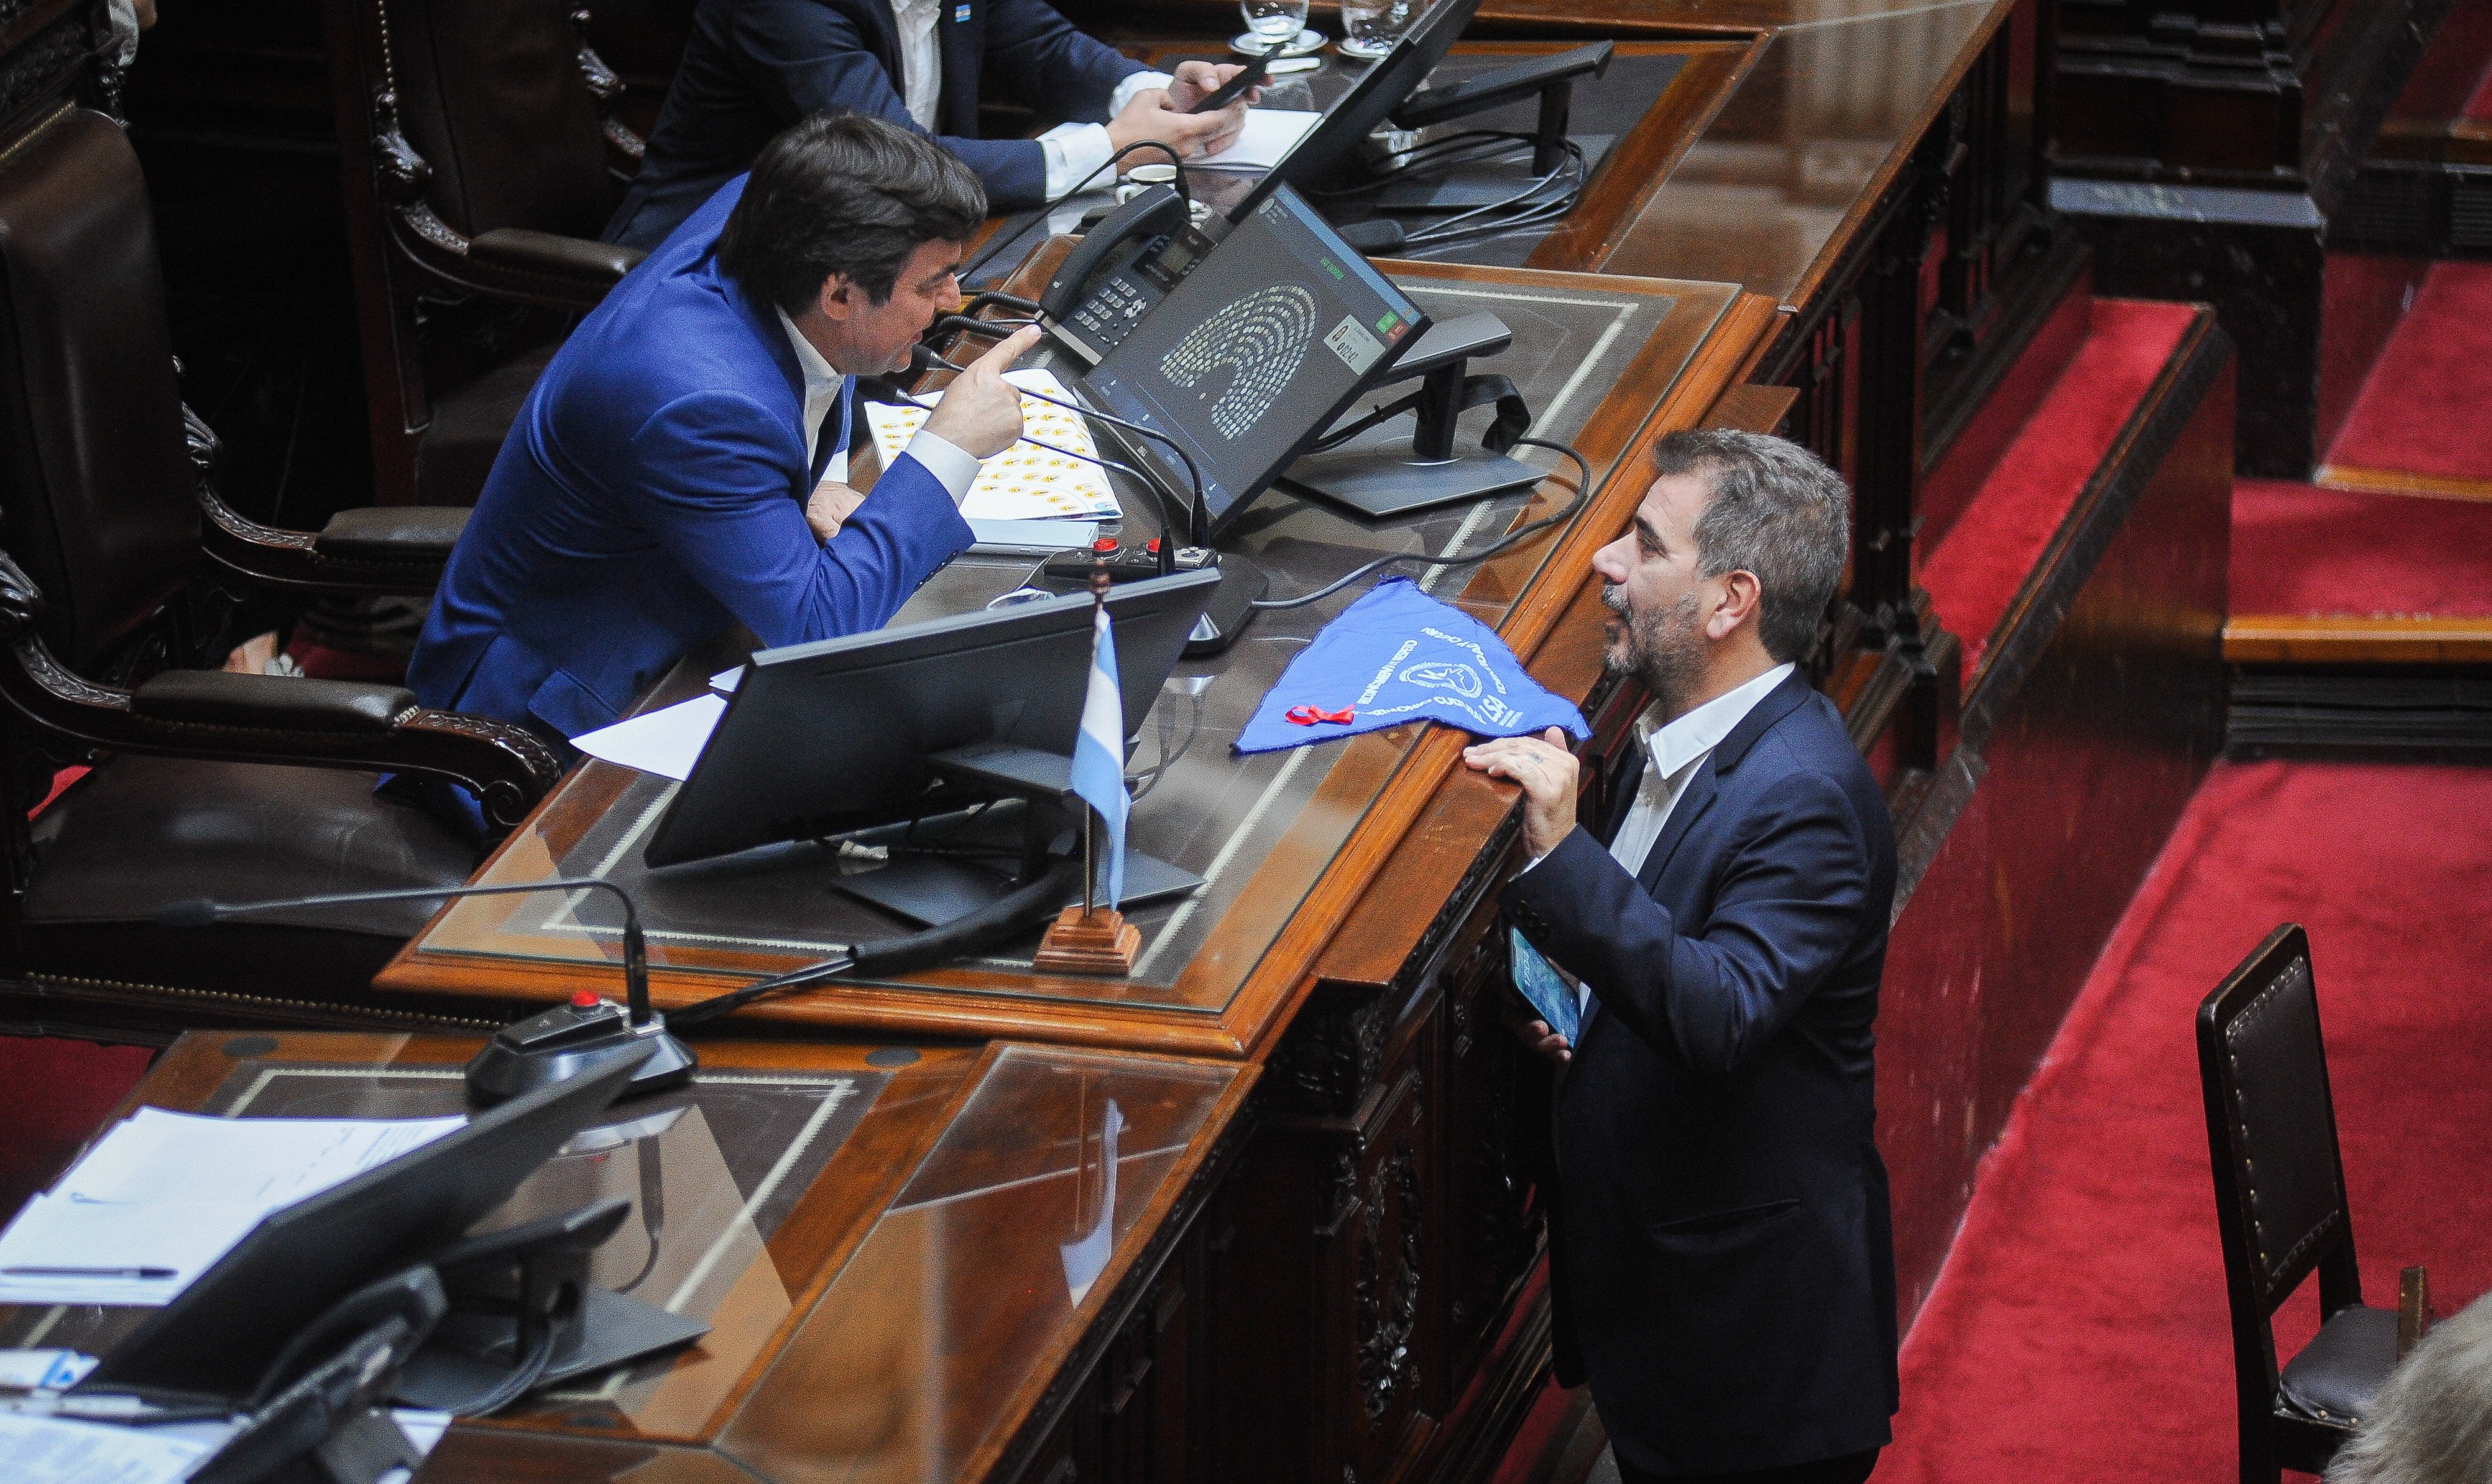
2432,1421
1775,510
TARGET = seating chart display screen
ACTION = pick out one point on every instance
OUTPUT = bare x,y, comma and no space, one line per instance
1255,351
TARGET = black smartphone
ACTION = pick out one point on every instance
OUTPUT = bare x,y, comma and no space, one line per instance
1256,72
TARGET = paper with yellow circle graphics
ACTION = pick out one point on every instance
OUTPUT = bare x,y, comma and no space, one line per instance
1025,482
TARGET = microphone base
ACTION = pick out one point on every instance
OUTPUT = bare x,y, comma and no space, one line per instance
1231,608
568,1040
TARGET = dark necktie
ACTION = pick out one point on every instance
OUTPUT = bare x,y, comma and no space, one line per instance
832,435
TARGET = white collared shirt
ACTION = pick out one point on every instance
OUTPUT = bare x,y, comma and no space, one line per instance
1674,749
1072,150
956,469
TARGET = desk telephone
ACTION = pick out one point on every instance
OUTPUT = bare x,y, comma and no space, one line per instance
1121,269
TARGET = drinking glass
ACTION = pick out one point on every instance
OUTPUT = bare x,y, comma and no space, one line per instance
1370,27
1273,23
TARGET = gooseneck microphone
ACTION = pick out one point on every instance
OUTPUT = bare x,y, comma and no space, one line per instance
544,1049
924,358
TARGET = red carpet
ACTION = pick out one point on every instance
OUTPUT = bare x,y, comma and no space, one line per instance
1972,574
2301,549
2422,410
52,1095
2079,1330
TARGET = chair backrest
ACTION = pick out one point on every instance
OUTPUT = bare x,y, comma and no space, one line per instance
99,504
494,96
2272,1134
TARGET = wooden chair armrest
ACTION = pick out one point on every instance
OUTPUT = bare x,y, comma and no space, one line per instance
245,719
397,550
2414,1309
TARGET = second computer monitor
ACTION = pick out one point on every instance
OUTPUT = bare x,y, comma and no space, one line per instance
1333,143
1256,352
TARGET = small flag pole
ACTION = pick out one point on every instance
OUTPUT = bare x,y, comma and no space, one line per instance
1091,938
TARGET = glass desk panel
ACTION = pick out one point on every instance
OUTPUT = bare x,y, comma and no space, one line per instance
1605,110
908,1365
714,1171
1762,192
1260,830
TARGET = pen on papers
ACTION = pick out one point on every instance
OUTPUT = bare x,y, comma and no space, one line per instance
91,1272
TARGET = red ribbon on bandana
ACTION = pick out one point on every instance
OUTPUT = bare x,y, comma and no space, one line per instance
1309,716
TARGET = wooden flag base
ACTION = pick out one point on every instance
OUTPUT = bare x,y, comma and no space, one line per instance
1099,942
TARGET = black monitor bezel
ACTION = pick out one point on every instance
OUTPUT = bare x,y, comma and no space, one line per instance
218,1336
1150,454
1355,113
767,691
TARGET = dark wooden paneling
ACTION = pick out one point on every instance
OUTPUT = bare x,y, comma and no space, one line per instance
2094,722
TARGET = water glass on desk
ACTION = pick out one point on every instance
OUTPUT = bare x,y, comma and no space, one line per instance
1370,27
1275,23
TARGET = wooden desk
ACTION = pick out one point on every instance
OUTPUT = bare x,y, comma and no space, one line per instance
1371,1313
877,1236
1286,842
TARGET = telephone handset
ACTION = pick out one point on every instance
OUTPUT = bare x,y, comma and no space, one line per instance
1120,269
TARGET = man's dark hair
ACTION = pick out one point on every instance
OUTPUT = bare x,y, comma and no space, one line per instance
1774,510
843,193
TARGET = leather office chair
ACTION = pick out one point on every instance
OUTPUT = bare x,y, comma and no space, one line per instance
2280,1204
481,160
116,560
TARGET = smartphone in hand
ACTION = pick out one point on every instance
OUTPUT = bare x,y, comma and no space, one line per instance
1230,91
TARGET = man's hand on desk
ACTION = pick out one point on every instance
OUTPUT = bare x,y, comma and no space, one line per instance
832,504
1546,771
980,413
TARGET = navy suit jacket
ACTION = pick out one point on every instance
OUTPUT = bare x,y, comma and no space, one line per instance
1722,1263
752,68
651,494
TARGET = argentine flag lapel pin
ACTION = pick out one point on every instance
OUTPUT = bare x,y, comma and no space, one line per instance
960,14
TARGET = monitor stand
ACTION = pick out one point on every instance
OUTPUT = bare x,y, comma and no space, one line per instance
931,890
1388,477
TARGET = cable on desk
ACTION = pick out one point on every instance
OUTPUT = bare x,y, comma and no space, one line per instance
1506,543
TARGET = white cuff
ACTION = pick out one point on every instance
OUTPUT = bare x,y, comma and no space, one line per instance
1075,150
953,470
1138,82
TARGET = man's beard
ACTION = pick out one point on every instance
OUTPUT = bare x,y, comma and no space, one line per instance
1665,649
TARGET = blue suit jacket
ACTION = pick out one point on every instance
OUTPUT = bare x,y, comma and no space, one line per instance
751,68
1722,1262
652,494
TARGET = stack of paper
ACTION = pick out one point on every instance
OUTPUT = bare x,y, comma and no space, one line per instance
1025,482
164,1194
1269,135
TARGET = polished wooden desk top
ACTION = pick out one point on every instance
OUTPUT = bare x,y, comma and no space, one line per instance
887,1242
1288,843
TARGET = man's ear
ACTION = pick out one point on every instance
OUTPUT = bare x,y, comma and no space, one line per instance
840,297
1740,595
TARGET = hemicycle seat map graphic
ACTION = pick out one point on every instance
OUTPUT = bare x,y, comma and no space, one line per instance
1261,337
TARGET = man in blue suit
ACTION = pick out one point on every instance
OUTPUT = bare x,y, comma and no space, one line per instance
1721,1262
671,473
752,68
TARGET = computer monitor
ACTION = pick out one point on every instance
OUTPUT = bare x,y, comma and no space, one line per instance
1334,139
825,738
220,1335
1255,352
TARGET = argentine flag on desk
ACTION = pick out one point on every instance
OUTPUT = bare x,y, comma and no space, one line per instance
1099,750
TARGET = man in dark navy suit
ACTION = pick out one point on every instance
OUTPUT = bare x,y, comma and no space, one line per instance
1721,1257
680,466
752,68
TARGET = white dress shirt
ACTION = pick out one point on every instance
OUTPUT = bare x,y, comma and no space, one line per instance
956,469
1072,150
1674,749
